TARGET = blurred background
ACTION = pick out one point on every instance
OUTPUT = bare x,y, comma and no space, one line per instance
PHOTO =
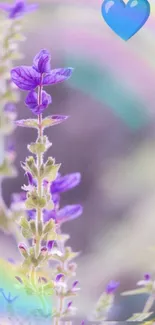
109,138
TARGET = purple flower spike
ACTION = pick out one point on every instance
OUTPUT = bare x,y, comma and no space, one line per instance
25,77
41,62
32,101
59,277
18,9
57,75
147,277
111,287
65,183
50,244
68,213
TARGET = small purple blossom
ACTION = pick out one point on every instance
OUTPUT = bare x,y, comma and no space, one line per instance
31,101
18,9
111,287
50,244
147,277
59,277
75,283
41,62
65,183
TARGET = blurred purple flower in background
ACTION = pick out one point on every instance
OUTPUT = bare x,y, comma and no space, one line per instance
18,9
111,287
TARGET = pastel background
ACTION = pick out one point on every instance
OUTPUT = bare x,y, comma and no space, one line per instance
109,138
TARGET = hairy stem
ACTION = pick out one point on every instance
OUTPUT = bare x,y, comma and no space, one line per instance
39,162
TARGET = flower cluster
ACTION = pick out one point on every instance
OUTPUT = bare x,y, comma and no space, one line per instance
41,225
38,75
10,36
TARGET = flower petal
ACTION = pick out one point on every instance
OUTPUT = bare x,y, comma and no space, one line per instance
65,183
41,62
57,75
25,77
49,214
32,101
69,212
111,287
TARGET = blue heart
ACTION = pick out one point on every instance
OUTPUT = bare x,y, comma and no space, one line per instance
125,19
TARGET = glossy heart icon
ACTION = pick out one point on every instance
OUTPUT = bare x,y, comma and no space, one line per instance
125,19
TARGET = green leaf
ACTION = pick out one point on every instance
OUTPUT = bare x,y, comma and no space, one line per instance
30,123
50,225
27,233
37,148
23,222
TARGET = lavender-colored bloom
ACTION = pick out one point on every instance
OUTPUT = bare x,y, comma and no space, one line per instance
18,9
28,78
75,283
32,101
111,287
41,62
59,277
65,183
10,108
69,212
50,244
147,277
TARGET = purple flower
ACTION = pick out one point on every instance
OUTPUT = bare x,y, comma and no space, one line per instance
147,277
59,277
29,78
69,212
18,9
111,287
65,183
41,62
32,101
10,108
50,244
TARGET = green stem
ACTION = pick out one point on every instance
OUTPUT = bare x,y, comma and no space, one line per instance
39,162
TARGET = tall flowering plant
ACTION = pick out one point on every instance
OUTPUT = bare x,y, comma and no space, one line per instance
41,224
10,36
